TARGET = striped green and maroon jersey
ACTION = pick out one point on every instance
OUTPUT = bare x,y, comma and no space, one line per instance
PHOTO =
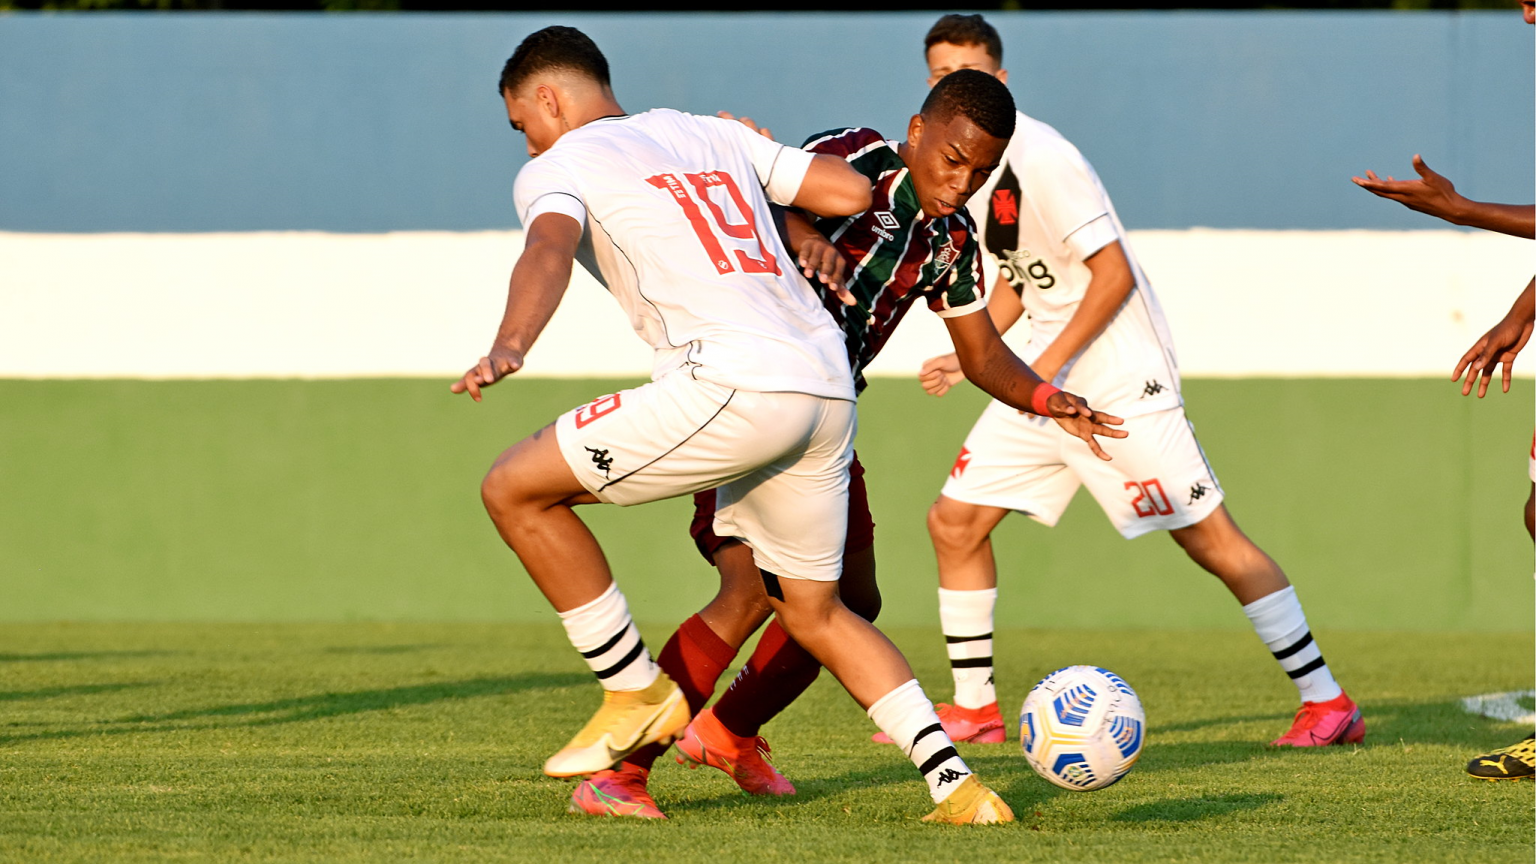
896,252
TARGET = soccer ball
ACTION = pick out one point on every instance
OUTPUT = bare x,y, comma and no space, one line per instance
1082,727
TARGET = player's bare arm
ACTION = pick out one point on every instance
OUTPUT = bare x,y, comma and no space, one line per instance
816,256
539,280
1110,284
992,366
1435,195
1108,287
1499,345
832,187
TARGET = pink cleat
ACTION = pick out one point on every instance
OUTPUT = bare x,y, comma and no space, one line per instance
619,792
706,741
982,725
1319,724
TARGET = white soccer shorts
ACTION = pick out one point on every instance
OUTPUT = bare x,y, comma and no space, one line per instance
1159,479
779,460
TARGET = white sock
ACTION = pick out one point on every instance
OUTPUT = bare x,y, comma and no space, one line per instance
1280,623
966,618
607,637
907,716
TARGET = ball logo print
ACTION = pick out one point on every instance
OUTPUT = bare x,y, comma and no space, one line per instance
1082,728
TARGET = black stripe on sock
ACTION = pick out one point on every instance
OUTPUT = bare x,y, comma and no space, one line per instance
937,759
1307,669
937,727
619,666
970,662
1295,646
608,646
954,639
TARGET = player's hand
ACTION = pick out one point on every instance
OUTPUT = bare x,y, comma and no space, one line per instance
1431,193
747,122
500,363
819,259
941,373
1071,411
1499,345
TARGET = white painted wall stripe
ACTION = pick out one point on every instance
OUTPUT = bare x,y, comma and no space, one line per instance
297,304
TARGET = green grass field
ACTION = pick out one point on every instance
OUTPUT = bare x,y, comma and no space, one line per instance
1393,504
292,635
422,742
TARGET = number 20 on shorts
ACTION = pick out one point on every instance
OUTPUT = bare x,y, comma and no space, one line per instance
746,230
1150,498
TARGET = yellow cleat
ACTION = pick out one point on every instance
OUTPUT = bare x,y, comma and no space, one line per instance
971,804
627,721
1515,762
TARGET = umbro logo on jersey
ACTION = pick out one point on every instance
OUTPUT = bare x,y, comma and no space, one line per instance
887,221
950,775
1152,389
1197,491
601,459
1005,207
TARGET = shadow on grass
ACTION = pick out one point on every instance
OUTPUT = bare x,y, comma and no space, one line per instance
82,655
72,690
322,705
316,707
1197,808
1390,721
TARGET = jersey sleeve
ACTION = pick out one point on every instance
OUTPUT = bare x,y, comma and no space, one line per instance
862,148
544,187
780,169
1062,189
1090,238
959,290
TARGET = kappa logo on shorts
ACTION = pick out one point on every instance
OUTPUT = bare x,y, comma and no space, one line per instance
600,407
961,462
950,775
601,459
1197,491
1152,389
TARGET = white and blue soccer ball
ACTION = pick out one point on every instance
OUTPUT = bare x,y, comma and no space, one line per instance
1082,727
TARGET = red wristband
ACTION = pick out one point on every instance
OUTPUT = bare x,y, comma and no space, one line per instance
1043,391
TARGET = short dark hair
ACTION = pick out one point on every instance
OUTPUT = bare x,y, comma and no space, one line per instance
554,48
976,96
966,30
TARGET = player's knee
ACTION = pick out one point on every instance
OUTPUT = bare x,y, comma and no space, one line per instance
499,490
954,526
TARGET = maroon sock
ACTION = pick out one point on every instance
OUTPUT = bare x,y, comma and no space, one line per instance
778,672
694,657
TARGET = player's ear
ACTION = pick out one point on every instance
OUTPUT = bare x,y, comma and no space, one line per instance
1002,75
915,130
548,100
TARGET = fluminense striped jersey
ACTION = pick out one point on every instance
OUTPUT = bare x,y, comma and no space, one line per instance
897,253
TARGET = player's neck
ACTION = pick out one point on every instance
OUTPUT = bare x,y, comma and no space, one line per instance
589,110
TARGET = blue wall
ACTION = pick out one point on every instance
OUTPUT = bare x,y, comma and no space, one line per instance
235,122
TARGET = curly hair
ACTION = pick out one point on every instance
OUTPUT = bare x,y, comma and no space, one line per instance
554,48
976,96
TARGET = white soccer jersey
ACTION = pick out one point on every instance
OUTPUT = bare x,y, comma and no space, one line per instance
678,229
1042,215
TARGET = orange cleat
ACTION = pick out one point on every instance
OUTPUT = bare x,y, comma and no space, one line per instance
619,792
982,725
1319,724
706,741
